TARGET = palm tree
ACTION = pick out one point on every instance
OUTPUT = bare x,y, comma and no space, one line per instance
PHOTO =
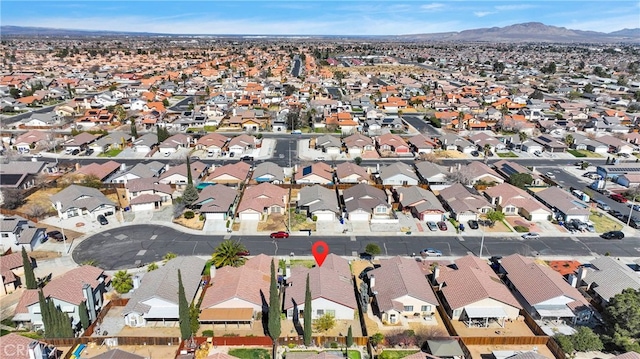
523,136
229,253
486,148
568,139
122,282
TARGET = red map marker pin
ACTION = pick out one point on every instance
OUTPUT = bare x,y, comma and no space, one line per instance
320,251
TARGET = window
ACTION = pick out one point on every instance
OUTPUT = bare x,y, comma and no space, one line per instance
331,312
408,308
457,312
381,209
425,308
320,312
5,235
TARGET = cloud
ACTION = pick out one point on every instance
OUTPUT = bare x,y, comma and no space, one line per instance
432,7
483,13
514,7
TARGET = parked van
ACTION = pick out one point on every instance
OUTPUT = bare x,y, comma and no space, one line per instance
602,205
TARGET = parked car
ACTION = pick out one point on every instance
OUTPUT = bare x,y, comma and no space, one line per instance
618,198
56,235
442,226
579,225
244,253
612,235
635,207
473,224
247,158
475,153
432,226
102,219
194,158
538,153
279,234
75,152
88,152
530,235
430,252
550,175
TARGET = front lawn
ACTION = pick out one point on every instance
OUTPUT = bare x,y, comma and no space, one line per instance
603,223
584,153
303,262
506,154
250,353
395,354
111,153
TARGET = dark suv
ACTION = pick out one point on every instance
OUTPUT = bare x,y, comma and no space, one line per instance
56,235
102,220
612,235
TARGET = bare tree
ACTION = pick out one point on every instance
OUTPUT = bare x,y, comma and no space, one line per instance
460,176
36,209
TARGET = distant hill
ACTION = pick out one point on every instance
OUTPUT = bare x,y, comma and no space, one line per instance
529,32
525,32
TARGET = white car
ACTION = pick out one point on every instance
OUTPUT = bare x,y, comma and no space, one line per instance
530,235
538,153
550,174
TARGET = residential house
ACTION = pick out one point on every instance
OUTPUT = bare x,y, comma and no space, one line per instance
318,173
231,174
483,139
512,201
78,200
177,176
41,120
243,144
629,180
349,172
17,232
238,294
16,346
398,174
101,171
543,292
620,169
431,173
565,206
112,140
393,145
155,298
319,203
216,202
605,277
550,144
145,194
12,271
329,144
508,168
359,145
615,144
173,143
140,170
364,202
473,293
79,142
262,200
585,143
145,143
530,146
22,174
481,173
452,142
268,172
463,204
117,353
30,140
85,284
422,203
399,289
213,143
444,348
422,144
331,290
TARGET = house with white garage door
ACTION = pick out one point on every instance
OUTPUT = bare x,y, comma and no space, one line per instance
364,202
512,201
268,172
231,174
319,202
328,144
398,174
260,201
318,172
422,203
348,172
463,204
216,202
147,194
566,206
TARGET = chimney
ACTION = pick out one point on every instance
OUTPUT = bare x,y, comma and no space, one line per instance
573,280
58,205
459,166
136,281
372,282
582,273
436,273
35,350
91,303
234,112
123,166
77,166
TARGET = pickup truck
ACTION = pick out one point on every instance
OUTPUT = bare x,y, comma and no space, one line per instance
618,198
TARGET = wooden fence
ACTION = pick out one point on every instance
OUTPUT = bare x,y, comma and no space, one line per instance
497,340
10,212
531,323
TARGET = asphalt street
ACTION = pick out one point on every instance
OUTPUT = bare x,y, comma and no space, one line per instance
138,245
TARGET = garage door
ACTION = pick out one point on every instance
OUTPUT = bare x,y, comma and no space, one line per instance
330,216
250,216
213,216
432,217
142,207
466,217
359,217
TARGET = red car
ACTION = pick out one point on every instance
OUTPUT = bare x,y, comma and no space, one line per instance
442,226
280,234
618,198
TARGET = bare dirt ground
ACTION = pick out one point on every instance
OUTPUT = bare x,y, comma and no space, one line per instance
450,154
278,222
147,351
484,351
44,255
193,223
511,329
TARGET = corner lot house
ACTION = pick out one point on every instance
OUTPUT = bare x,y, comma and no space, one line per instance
607,277
331,290
156,297
77,200
17,232
566,206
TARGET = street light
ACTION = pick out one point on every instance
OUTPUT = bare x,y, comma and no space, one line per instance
481,242
631,208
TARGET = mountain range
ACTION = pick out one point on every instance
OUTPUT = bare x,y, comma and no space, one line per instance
525,32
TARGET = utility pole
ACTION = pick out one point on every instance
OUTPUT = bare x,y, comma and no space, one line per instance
290,186
481,242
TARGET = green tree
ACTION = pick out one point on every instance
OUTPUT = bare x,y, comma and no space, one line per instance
495,216
183,310
376,339
585,340
29,276
190,194
134,129
349,338
520,180
307,314
324,323
122,282
273,324
46,315
622,315
588,88
537,95
162,133
152,266
486,149
372,249
165,103
194,313
522,136
169,256
358,160
569,140
229,253
84,315
565,343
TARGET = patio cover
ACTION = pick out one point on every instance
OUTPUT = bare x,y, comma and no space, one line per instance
226,315
445,348
556,311
485,312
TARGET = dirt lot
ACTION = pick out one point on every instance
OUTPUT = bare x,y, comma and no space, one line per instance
484,351
147,351
44,255
450,154
193,223
278,222
41,199
511,329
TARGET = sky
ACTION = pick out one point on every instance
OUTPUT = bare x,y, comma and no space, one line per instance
307,17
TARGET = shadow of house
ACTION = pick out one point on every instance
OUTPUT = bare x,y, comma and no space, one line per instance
265,313
296,318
